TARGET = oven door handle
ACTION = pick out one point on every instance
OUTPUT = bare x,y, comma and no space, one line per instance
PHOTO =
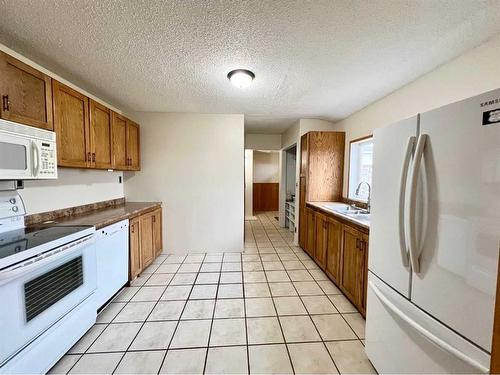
24,267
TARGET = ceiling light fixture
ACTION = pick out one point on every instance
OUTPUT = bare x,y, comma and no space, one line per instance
241,78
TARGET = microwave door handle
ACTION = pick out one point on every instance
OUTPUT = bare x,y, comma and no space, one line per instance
36,159
17,271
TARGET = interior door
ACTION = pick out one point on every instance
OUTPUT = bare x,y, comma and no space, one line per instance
71,120
459,241
101,136
388,259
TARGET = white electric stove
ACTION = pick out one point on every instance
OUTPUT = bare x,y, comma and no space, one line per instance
47,281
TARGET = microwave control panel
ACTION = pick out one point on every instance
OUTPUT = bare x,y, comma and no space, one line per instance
48,162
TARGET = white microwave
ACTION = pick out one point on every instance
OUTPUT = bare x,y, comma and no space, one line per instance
26,153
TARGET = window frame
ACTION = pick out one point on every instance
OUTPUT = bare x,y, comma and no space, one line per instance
356,140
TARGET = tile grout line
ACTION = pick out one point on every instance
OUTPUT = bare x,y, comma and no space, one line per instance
279,322
179,320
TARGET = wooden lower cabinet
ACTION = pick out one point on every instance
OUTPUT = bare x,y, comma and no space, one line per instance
145,241
341,249
157,232
321,242
311,232
353,265
334,249
135,265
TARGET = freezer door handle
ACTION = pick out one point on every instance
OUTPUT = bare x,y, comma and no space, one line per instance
426,333
402,194
413,245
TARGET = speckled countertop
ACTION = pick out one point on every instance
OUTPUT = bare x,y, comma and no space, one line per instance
106,216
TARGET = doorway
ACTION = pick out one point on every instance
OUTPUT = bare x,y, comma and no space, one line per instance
262,186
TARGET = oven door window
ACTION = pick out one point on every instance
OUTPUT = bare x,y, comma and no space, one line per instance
49,288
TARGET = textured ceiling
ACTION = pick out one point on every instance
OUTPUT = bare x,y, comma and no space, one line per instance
322,59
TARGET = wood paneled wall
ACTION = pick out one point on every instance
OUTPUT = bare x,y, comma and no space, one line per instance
265,196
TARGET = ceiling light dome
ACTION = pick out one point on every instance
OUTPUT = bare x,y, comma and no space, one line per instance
241,78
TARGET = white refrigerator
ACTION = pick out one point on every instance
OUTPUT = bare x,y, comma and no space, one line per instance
435,240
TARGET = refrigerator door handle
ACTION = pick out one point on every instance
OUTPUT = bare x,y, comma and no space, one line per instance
424,332
413,244
402,193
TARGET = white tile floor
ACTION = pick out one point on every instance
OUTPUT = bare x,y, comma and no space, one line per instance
267,310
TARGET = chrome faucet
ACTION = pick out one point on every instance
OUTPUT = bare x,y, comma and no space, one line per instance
369,193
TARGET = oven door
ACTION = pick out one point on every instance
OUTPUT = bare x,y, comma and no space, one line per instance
35,295
17,157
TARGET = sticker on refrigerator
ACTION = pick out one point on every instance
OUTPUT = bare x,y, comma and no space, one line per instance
491,117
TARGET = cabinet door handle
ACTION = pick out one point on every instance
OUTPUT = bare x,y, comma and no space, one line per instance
5,102
89,156
93,157
154,219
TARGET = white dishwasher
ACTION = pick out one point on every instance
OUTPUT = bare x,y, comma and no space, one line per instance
112,260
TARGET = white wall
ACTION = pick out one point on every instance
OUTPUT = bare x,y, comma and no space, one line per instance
248,184
266,167
73,187
472,73
194,164
263,141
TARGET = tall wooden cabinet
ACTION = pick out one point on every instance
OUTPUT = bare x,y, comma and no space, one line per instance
321,171
26,94
145,240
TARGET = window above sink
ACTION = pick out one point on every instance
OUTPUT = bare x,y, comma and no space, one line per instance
360,168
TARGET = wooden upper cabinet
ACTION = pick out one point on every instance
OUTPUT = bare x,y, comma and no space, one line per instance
101,136
71,123
120,160
133,146
26,94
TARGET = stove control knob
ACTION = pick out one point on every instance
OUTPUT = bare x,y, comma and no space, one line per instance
15,208
12,200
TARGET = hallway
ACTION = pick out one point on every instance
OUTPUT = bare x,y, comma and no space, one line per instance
268,310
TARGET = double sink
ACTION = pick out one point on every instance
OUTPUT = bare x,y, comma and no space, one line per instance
355,213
